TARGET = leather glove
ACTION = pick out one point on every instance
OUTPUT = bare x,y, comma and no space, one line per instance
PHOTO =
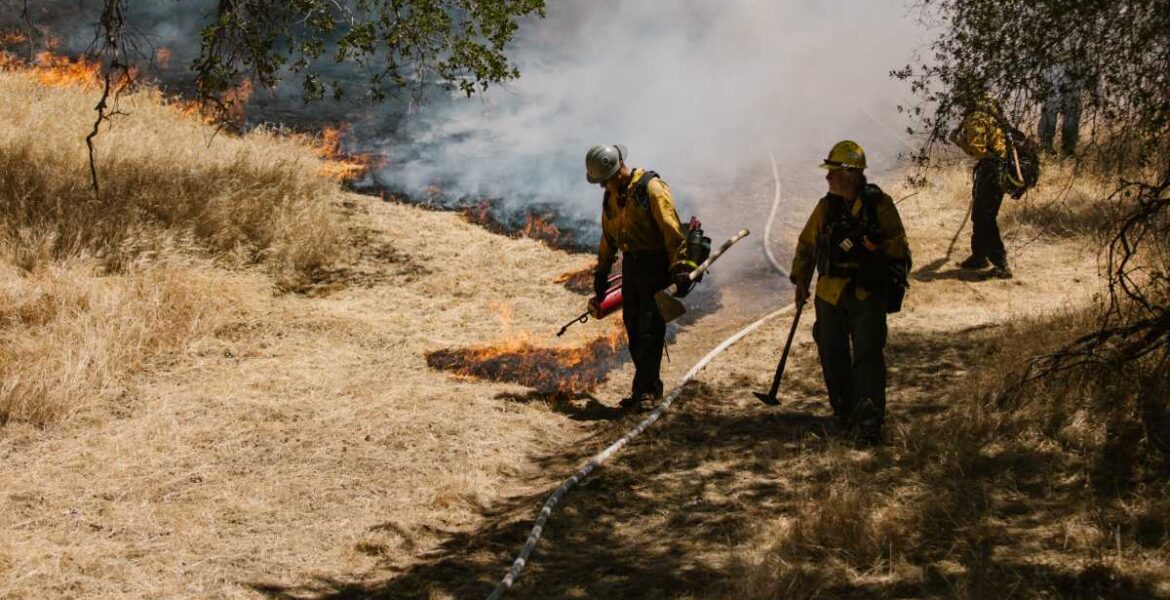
802,294
600,285
680,274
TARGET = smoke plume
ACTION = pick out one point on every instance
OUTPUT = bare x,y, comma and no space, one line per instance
698,91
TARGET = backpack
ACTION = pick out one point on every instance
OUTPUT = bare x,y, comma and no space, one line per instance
698,245
897,270
1020,169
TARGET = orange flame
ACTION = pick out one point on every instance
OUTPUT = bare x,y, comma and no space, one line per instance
560,372
162,57
11,38
537,228
62,71
338,164
580,281
235,100
9,62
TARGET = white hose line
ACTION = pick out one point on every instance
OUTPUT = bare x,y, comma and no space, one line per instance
772,219
602,457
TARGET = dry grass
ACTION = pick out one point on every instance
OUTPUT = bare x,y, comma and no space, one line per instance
1058,491
71,336
96,289
164,176
226,438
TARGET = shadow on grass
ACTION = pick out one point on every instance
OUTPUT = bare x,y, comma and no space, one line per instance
663,519
579,407
934,272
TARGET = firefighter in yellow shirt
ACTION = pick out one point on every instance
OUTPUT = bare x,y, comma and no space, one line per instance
852,236
639,220
981,136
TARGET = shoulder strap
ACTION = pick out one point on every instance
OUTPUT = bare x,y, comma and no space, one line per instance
870,198
642,191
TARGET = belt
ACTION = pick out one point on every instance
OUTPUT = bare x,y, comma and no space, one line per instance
644,254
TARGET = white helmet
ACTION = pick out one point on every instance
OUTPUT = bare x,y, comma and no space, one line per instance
601,162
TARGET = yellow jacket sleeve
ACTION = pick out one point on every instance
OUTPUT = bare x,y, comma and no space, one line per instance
804,260
607,247
665,215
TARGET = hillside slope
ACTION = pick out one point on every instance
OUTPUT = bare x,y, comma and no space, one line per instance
298,445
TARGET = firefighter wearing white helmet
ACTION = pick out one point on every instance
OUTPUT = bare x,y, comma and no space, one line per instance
639,220
856,243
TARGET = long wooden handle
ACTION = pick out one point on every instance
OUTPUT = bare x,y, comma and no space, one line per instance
702,268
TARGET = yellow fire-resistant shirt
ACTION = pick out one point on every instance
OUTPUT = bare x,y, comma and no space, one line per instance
980,135
626,226
829,289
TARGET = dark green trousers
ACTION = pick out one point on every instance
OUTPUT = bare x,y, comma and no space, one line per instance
643,275
851,338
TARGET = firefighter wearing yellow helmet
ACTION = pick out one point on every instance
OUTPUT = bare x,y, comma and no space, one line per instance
638,219
856,243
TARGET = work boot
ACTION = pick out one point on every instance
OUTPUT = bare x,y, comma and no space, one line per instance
843,420
1002,271
974,263
870,436
869,423
641,402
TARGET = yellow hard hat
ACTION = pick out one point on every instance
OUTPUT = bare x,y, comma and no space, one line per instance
845,155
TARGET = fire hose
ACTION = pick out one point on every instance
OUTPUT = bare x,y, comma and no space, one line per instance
602,457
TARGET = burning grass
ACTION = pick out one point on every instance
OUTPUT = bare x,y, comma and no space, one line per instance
581,280
339,164
53,70
533,222
557,372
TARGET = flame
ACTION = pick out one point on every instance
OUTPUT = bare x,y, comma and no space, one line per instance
338,164
558,372
235,100
11,38
537,228
162,57
480,214
580,281
62,71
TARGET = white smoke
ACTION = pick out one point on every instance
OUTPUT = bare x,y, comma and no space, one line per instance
696,89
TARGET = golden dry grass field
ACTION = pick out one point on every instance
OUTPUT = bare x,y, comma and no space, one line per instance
215,386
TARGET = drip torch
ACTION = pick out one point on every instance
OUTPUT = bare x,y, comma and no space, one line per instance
600,310
698,250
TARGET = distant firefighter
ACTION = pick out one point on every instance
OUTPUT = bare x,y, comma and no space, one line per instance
1007,163
855,241
1063,101
638,218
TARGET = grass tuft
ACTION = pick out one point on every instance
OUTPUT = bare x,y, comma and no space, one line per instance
96,288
